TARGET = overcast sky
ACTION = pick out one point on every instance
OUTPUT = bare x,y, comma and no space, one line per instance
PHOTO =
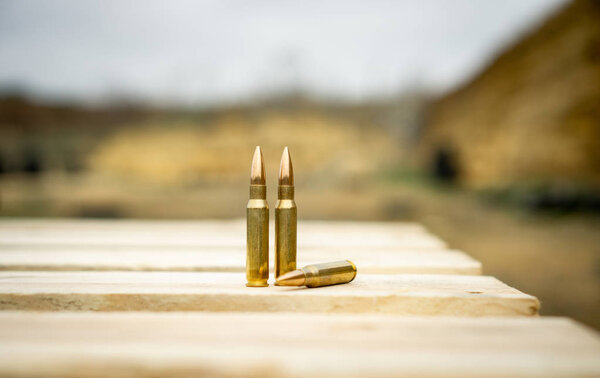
204,52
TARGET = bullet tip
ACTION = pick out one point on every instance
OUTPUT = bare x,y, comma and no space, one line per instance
257,172
293,278
286,170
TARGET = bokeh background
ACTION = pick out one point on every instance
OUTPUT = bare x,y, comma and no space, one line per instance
479,119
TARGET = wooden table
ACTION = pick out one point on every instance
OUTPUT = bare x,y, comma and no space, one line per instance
96,298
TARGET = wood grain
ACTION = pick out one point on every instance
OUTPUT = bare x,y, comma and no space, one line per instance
232,259
292,345
201,291
208,234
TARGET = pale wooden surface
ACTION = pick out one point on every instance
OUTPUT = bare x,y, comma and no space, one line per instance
212,233
346,330
214,259
218,246
188,291
257,345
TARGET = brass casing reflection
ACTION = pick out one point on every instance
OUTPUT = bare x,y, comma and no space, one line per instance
285,231
332,273
257,237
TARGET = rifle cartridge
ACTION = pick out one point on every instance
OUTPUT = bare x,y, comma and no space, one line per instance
285,218
257,225
331,273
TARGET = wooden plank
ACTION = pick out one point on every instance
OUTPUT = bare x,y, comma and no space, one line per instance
208,234
213,259
292,345
201,291
193,225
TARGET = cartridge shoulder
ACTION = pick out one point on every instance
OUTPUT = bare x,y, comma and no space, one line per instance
286,204
257,204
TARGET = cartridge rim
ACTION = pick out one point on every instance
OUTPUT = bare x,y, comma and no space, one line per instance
257,284
355,270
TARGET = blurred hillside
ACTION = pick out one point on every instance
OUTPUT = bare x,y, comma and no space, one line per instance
72,161
532,117
36,138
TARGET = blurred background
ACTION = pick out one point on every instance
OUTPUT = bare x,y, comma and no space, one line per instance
480,120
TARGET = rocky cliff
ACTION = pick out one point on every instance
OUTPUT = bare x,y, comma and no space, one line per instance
532,115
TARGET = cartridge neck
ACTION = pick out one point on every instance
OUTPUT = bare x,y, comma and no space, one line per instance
258,192
285,192
310,274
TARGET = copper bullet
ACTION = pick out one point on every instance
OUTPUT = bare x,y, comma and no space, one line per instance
332,273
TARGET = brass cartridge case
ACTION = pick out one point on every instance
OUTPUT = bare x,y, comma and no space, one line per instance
285,219
331,273
257,226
